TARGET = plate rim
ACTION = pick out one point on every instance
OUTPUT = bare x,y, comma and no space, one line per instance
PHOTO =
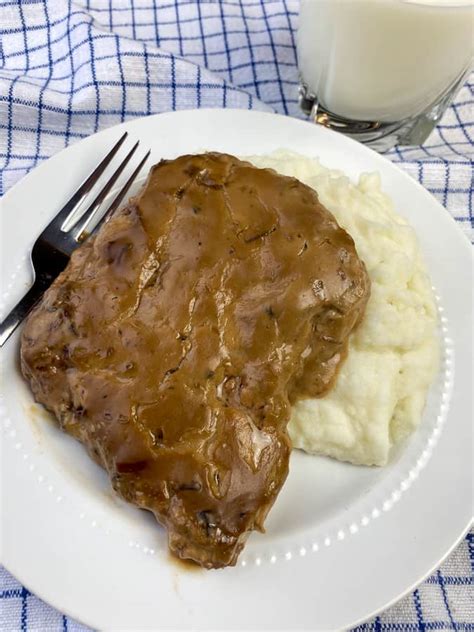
46,164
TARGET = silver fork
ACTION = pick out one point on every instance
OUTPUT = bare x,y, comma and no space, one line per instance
53,248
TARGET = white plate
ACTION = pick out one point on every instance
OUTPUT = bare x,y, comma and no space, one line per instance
342,542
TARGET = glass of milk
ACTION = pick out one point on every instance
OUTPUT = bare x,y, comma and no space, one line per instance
383,71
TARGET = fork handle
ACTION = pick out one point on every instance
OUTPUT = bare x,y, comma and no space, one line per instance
20,311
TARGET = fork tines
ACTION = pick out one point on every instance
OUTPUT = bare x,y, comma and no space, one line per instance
80,226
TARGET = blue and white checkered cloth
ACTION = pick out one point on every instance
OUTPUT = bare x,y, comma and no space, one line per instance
68,69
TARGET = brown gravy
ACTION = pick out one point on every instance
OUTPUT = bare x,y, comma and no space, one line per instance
175,341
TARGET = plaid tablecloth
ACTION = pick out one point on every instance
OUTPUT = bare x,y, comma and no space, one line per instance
68,69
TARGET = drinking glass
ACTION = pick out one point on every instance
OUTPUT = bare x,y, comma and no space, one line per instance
383,71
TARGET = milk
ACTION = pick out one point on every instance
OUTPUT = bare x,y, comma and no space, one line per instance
383,60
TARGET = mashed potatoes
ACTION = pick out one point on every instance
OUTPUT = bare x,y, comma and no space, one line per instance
381,389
